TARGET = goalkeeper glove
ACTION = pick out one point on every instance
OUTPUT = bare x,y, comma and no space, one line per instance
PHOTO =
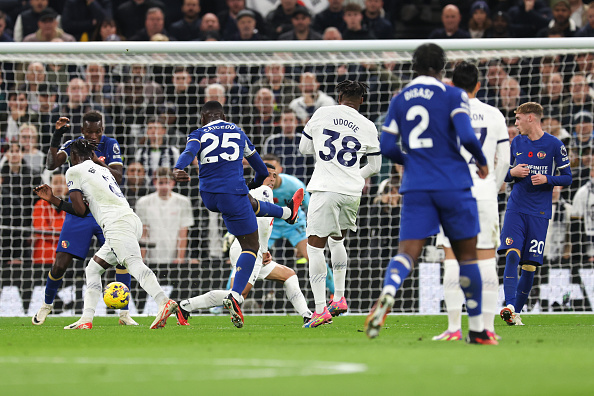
57,136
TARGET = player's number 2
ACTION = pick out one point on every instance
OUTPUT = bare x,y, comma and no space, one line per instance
350,145
211,142
414,139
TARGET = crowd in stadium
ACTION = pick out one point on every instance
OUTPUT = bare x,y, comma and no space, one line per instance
150,109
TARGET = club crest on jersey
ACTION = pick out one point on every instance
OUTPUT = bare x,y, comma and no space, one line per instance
541,155
65,244
530,154
509,241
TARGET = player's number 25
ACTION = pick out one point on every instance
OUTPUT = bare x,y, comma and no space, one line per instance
328,155
211,141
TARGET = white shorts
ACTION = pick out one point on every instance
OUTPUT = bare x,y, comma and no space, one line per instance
329,213
260,271
488,237
121,240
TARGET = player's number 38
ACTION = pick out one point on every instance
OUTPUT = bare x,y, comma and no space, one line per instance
349,144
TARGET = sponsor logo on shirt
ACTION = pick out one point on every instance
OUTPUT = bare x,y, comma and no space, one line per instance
509,241
541,155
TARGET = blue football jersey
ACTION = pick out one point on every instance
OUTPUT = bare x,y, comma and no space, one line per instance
222,148
543,156
422,114
108,150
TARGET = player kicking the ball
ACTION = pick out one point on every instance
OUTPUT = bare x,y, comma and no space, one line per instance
121,226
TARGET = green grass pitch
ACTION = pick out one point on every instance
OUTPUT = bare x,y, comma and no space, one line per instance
551,355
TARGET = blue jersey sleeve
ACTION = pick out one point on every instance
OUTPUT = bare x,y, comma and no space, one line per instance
563,165
111,152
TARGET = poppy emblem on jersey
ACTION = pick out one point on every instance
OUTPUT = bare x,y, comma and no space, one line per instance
530,154
102,159
65,244
541,155
508,241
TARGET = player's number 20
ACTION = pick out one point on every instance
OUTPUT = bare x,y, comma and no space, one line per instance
349,144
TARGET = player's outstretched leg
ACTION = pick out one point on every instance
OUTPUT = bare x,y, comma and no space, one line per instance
376,318
233,304
293,204
288,213
93,273
52,285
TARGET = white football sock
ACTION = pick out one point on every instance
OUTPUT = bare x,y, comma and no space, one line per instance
146,278
338,257
453,294
286,213
317,276
213,298
295,296
490,279
94,290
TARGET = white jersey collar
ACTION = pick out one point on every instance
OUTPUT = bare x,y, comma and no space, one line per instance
427,80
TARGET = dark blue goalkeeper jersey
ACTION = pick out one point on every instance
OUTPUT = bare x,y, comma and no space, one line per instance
543,156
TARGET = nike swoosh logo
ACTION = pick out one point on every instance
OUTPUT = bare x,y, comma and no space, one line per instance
518,154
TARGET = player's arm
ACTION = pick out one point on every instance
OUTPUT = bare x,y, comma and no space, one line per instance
255,161
54,157
115,168
389,143
374,164
76,207
502,162
185,159
306,145
564,178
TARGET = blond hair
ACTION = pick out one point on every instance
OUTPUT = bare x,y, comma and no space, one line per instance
530,107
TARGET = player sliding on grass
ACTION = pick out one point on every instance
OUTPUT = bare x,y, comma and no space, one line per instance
264,267
220,147
121,226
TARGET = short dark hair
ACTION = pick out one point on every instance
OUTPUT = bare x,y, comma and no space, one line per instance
92,116
465,76
353,7
212,105
271,157
83,147
352,89
428,59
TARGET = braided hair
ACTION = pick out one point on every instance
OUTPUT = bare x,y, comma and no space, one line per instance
84,148
352,89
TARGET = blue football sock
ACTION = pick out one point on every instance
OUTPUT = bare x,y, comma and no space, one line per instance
472,286
122,275
267,209
524,287
398,269
244,267
510,277
329,279
51,287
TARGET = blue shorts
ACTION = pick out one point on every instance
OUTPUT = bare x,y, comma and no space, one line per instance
237,211
423,211
77,234
294,233
526,233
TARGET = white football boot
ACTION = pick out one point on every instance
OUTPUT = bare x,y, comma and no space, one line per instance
126,319
41,315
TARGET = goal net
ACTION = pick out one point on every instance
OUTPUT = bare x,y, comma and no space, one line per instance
150,95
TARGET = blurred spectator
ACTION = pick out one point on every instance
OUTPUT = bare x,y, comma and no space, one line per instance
209,25
262,7
48,29
136,184
551,97
285,145
311,98
130,16
263,118
29,142
16,183
552,125
246,27
494,76
18,114
107,30
450,19
581,160
480,20
512,131
579,13
500,28
279,19
101,91
333,16
80,18
314,6
374,22
353,18
561,21
510,97
155,153
228,20
215,92
284,89
183,95
153,24
582,227
557,243
26,22
579,100
583,129
237,95
332,33
302,30
188,28
34,76
47,223
4,36
166,217
528,17
588,29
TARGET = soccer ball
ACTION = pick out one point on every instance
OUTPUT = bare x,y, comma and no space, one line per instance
116,295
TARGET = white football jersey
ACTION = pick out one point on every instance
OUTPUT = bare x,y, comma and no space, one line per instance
100,190
340,136
490,128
